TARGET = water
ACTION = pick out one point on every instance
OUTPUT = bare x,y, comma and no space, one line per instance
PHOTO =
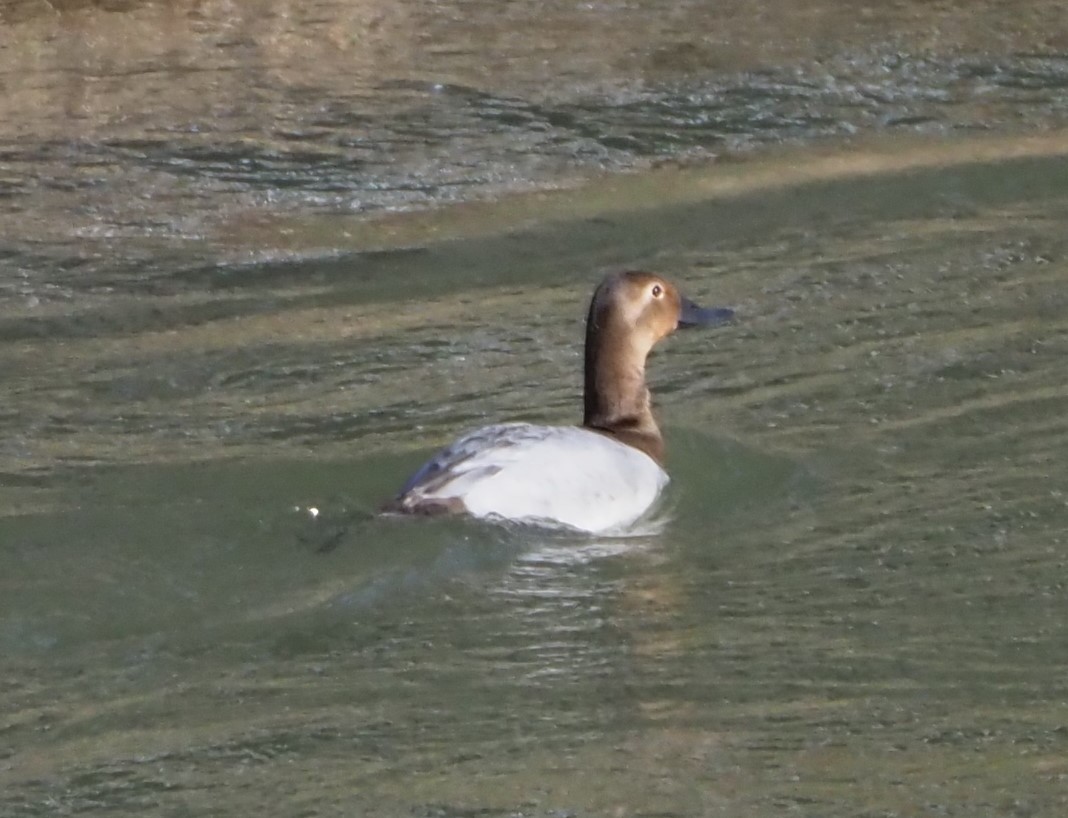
242,279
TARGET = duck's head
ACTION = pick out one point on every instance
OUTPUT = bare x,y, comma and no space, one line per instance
640,308
629,313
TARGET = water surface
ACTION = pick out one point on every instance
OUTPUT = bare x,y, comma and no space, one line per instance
232,292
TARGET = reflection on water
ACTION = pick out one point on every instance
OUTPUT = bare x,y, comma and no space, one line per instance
155,124
856,607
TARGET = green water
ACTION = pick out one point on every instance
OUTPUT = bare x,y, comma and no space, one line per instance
858,607
259,258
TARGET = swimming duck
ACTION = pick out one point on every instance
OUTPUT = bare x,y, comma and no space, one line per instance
600,477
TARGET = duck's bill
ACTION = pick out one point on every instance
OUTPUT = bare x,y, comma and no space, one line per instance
691,315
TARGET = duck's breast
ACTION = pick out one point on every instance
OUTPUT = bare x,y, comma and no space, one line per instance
560,474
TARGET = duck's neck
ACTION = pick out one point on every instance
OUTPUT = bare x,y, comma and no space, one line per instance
616,398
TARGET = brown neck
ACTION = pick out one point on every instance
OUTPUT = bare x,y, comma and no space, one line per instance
616,398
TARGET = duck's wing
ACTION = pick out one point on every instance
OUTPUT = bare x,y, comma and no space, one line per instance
557,474
477,454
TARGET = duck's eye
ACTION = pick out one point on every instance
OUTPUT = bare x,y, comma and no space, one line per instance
657,291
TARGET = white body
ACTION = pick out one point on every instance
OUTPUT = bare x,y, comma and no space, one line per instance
565,475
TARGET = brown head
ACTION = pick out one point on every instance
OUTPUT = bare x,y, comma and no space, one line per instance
629,313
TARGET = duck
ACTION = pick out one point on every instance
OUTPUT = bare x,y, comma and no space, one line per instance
601,477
